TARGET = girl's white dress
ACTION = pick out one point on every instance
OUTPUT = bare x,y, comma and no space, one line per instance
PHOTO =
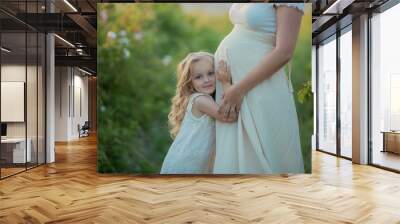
266,137
191,152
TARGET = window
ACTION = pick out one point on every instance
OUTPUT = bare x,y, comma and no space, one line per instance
385,87
22,68
346,94
327,96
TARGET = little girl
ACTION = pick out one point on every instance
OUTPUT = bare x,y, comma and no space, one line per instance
192,115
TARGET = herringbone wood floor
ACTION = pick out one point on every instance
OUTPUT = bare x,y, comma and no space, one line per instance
70,191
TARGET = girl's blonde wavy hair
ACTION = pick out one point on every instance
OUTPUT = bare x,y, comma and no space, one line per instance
184,89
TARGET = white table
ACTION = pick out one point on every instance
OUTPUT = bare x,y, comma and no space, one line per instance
19,149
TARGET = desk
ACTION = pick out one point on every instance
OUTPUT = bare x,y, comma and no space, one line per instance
391,141
17,150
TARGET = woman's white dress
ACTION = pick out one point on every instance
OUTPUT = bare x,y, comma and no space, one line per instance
266,137
193,147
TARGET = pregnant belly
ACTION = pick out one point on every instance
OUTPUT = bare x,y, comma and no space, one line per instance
243,50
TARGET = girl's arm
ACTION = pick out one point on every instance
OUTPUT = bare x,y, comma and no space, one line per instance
207,105
287,28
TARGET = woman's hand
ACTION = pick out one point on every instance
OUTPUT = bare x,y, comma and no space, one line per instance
232,118
231,101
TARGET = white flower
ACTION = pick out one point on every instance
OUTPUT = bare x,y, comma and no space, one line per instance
103,15
124,41
111,35
167,60
126,53
102,108
138,36
122,33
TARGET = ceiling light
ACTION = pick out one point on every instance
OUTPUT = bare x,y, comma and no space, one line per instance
65,41
338,6
86,72
71,6
5,49
79,51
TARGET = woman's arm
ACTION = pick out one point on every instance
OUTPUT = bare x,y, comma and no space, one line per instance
287,28
207,105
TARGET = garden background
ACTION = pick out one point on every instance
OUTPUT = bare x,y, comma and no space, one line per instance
139,47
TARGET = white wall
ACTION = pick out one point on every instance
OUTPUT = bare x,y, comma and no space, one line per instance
12,73
70,83
12,101
80,100
62,81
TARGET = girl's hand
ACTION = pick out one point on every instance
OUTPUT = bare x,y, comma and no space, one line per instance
207,105
223,72
231,101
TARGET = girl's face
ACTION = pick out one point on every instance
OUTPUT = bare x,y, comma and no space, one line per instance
203,77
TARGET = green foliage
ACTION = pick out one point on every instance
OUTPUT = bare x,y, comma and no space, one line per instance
304,93
301,79
139,46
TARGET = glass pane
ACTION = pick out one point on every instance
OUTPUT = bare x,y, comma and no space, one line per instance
31,100
22,79
327,97
386,89
41,99
16,8
14,153
346,94
314,76
31,83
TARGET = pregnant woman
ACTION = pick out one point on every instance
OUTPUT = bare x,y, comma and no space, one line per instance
266,137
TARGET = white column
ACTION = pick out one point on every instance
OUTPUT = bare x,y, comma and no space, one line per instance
50,110
360,90
50,94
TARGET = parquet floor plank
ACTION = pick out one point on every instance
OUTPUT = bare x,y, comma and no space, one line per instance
71,191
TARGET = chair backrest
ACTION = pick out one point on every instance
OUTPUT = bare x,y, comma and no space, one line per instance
86,125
